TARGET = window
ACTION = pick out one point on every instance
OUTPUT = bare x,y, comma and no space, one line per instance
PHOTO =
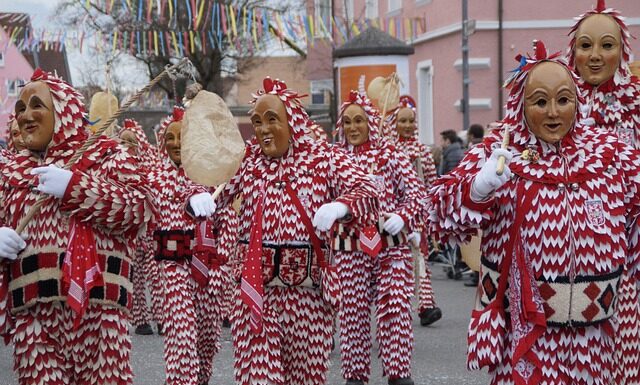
13,86
319,90
349,10
371,9
323,18
395,5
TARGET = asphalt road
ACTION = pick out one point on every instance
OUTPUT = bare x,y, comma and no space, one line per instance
439,355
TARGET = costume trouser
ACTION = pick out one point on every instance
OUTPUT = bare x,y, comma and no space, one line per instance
295,342
391,275
627,338
192,323
569,356
426,298
47,351
146,271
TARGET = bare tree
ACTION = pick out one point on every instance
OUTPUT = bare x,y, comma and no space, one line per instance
211,63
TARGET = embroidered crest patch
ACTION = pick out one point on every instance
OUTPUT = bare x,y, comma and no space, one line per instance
595,214
626,135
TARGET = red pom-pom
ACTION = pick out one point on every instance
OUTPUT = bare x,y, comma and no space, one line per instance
129,123
39,74
267,84
178,113
407,101
540,50
601,6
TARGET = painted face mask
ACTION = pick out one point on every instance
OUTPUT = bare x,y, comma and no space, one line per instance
597,49
172,142
16,141
550,101
406,125
269,120
354,121
34,113
128,139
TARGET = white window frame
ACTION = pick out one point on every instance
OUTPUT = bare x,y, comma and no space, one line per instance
319,5
349,10
395,5
424,76
13,86
371,9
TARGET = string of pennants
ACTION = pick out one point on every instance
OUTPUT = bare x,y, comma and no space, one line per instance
211,25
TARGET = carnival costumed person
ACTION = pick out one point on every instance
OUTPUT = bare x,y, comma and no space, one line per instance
599,52
282,320
390,265
555,234
316,131
194,282
14,143
402,123
69,279
145,268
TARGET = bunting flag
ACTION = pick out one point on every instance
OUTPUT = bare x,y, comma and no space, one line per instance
210,27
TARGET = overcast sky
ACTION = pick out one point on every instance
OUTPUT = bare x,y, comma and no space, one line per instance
42,15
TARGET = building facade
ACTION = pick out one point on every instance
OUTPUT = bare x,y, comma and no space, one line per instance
503,29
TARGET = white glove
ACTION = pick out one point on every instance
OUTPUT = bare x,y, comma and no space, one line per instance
394,223
52,180
202,205
10,243
487,180
415,238
329,213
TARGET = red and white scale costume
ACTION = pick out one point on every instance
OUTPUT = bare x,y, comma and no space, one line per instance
294,342
615,106
106,199
196,283
422,162
145,267
566,225
390,272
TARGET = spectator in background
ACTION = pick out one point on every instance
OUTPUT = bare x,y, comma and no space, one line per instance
452,152
475,133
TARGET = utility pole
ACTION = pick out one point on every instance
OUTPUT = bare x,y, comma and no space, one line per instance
465,64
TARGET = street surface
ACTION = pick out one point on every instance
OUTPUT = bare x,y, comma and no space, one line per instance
439,355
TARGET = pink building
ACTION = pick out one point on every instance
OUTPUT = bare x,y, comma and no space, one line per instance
15,70
17,65
503,29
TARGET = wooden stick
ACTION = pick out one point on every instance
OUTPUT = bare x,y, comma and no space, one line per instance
392,78
35,209
501,158
218,191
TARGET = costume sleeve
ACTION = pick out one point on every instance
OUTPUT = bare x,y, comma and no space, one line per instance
410,192
452,213
351,186
630,159
226,222
111,194
429,172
